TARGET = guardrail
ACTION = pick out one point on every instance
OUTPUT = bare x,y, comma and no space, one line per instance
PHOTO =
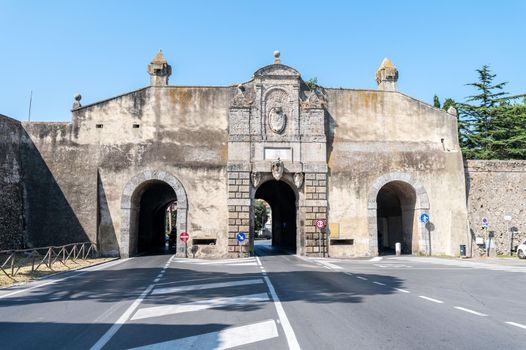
14,260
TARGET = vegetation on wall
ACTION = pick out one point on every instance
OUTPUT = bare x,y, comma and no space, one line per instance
491,123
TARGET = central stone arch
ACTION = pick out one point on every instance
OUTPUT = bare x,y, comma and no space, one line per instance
130,206
421,205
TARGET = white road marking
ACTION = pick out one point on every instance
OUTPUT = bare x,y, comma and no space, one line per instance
362,278
348,273
402,290
164,310
379,283
78,274
287,328
470,311
225,339
217,262
516,324
206,286
124,317
330,266
156,280
376,258
431,299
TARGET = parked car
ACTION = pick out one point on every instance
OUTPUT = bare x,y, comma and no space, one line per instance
521,250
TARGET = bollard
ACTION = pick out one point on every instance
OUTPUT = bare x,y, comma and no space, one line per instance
398,248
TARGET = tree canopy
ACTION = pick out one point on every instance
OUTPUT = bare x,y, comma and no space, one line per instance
491,123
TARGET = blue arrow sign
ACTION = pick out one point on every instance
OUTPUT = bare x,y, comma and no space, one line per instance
241,236
424,218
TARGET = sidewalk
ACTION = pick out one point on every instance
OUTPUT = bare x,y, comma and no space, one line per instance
502,264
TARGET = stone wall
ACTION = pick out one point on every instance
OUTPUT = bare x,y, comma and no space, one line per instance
11,205
377,137
494,190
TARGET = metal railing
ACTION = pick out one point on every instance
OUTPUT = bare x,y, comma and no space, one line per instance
14,260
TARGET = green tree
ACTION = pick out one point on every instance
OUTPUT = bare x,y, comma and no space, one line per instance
312,83
436,102
260,215
492,125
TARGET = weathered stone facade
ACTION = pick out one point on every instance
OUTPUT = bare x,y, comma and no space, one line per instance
369,162
496,189
11,204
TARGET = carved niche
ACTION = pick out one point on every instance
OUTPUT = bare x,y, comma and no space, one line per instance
276,103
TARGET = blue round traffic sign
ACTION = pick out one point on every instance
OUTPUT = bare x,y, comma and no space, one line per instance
424,217
241,236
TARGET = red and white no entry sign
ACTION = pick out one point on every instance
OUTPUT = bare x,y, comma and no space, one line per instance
184,236
320,224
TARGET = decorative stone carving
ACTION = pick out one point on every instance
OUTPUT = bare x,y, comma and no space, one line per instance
277,169
277,120
315,100
276,102
298,179
76,104
241,99
256,178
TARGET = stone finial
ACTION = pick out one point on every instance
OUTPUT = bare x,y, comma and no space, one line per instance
387,76
452,110
76,103
159,70
277,60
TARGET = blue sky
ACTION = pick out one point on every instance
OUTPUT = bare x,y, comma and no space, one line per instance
101,48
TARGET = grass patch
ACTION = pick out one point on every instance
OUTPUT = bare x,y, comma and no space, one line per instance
25,274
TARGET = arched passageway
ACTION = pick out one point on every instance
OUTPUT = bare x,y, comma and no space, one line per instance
154,200
396,217
143,211
282,200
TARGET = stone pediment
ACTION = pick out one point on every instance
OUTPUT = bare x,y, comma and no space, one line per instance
277,70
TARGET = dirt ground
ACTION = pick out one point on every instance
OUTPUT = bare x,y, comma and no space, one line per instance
25,275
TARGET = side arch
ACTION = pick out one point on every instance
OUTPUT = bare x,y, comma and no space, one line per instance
421,206
130,206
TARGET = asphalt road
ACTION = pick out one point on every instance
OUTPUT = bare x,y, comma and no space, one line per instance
273,301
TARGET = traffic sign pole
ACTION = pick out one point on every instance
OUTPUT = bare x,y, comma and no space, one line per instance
321,224
184,237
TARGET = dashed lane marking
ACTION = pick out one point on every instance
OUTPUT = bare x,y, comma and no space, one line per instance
516,324
402,290
379,283
470,311
431,299
362,278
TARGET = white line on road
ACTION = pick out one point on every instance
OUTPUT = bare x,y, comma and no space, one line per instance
470,311
122,320
379,283
348,273
361,278
516,324
157,311
206,286
376,258
329,265
402,290
431,299
225,339
287,328
124,317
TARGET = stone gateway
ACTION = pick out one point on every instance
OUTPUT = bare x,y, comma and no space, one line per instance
369,162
